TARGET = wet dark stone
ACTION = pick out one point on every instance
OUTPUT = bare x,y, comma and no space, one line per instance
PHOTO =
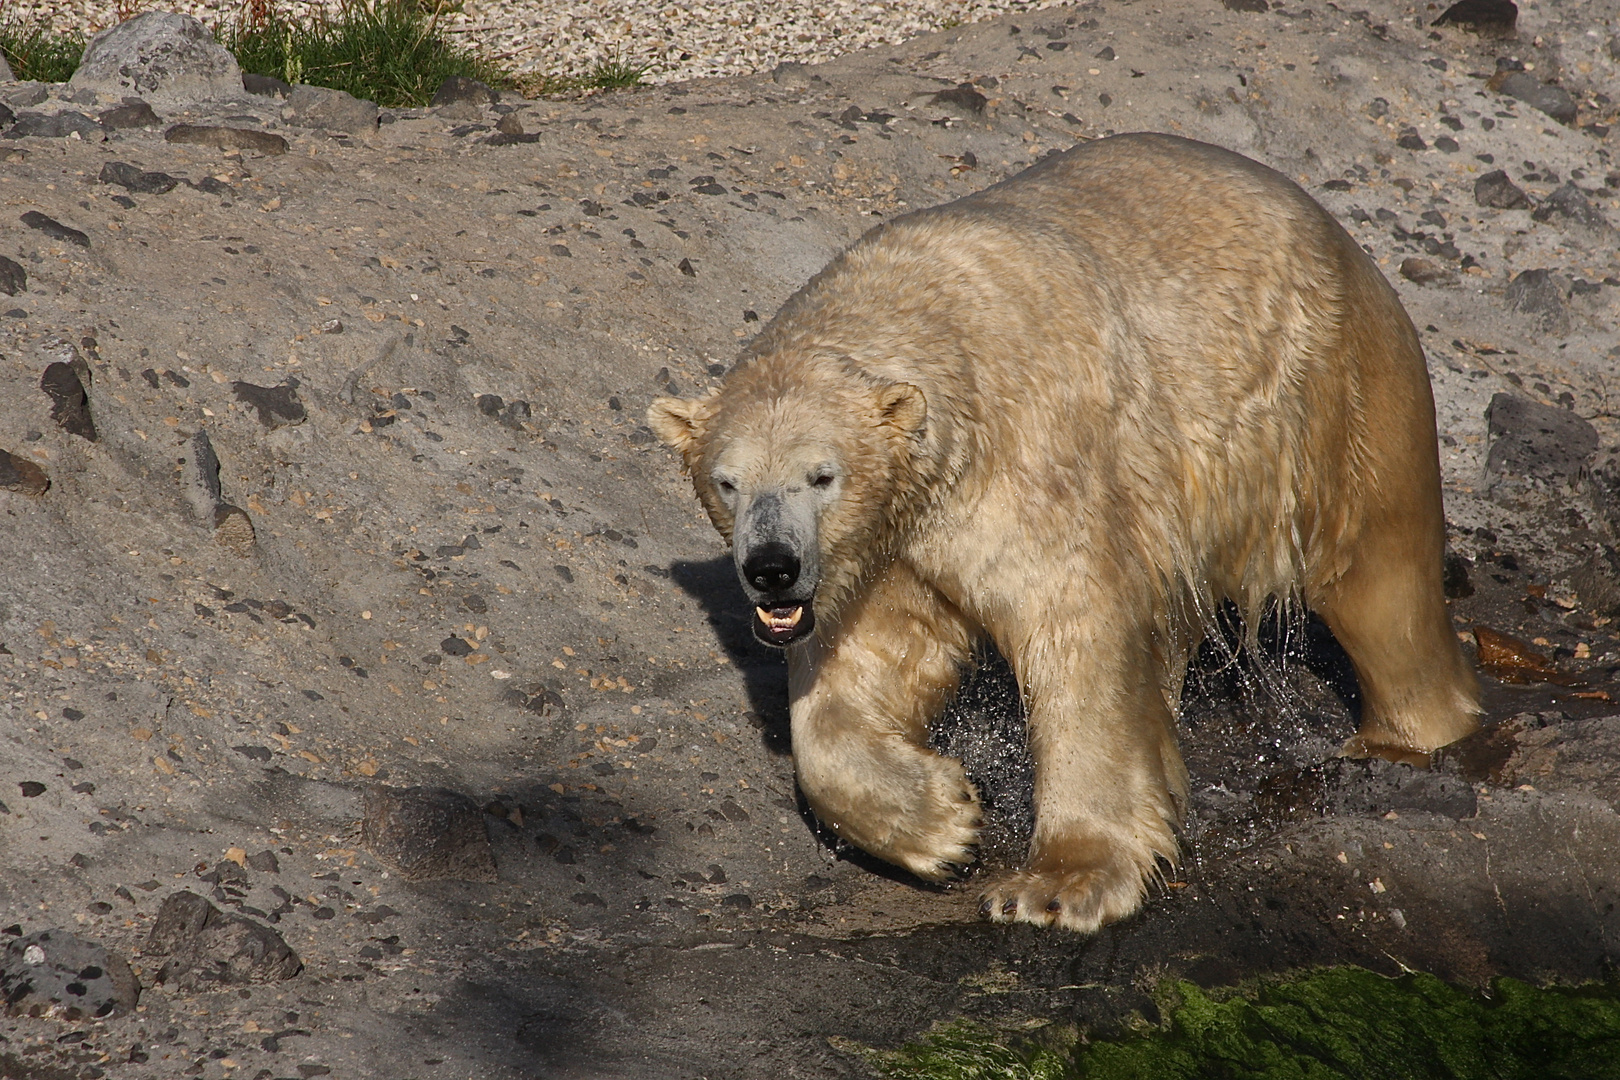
1455,577
475,604
1494,17
1494,189
131,114
1597,582
70,404
490,404
1256,6
60,126
1411,140
455,646
425,833
253,753
133,179
278,406
732,811
1535,445
206,946
55,970
1572,204
685,267
54,229
1555,101
31,789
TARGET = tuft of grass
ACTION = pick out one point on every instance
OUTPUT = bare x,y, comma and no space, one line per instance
393,52
36,52
1333,1024
614,73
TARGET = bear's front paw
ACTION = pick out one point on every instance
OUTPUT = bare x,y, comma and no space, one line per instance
936,836
1082,899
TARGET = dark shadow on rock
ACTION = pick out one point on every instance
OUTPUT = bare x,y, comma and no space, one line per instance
713,584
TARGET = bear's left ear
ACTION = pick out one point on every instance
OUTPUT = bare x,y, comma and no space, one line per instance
679,423
902,406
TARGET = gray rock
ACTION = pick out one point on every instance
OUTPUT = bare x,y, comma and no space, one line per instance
1597,582
133,113
1494,189
227,138
64,384
278,406
1541,293
1493,17
6,74
203,493
1555,101
13,278
426,833
59,126
461,98
265,85
137,180
1535,446
159,56
21,475
330,110
54,229
206,946
27,95
54,973
1572,204
791,74
1424,271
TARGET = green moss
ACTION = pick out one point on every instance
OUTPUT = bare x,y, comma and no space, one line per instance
1333,1024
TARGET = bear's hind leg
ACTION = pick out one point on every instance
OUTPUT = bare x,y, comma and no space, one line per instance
862,694
1389,613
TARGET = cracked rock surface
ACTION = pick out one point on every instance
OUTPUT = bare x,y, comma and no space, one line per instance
333,547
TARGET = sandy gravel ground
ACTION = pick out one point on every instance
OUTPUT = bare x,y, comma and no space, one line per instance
676,41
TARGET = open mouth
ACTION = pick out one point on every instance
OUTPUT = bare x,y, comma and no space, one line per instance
783,625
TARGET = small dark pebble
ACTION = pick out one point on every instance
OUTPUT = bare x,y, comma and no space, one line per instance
54,229
31,788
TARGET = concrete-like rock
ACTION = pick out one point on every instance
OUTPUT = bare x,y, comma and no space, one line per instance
1535,445
54,973
159,56
206,946
330,110
425,833
133,113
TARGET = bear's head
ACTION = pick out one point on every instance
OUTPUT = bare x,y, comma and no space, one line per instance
801,465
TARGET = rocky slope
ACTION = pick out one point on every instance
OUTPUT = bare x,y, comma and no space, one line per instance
345,590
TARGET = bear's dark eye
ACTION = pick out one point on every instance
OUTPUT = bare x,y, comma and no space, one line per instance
726,486
822,480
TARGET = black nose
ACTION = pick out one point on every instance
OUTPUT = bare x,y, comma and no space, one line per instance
771,568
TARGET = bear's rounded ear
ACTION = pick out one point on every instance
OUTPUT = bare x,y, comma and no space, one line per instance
903,406
679,422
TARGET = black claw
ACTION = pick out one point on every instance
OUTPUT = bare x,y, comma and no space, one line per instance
1054,906
1010,907
984,908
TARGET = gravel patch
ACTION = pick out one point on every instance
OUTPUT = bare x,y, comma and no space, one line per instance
690,39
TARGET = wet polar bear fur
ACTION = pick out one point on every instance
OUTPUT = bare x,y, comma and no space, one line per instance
1071,414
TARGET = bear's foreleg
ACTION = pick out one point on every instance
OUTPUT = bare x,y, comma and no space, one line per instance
863,692
1109,784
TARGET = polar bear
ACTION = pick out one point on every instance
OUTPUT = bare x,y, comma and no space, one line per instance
1072,414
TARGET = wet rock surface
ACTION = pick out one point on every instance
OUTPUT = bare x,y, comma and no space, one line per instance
370,513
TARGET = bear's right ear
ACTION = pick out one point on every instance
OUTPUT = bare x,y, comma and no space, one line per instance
679,422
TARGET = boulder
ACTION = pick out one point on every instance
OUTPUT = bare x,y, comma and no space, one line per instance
159,56
330,110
